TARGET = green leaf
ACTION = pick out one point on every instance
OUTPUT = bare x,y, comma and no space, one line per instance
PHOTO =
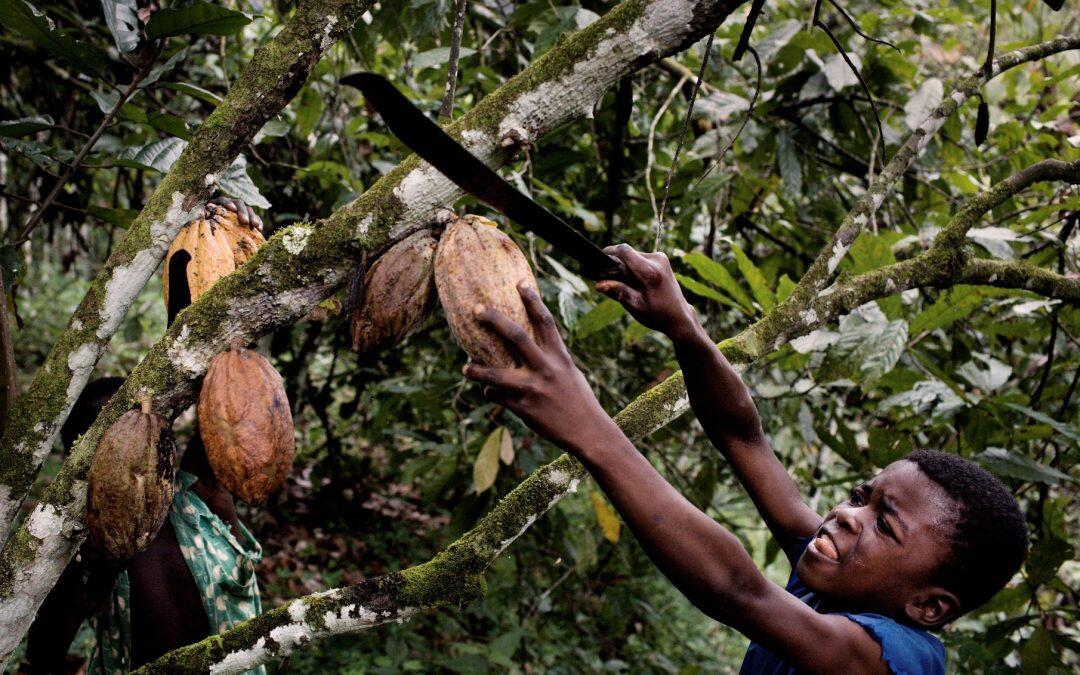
197,18
11,263
784,287
236,182
1005,463
193,91
870,252
953,305
717,275
157,156
1047,556
759,287
787,158
486,465
1037,655
123,20
698,288
170,124
1063,429
23,18
605,313
438,57
119,217
25,125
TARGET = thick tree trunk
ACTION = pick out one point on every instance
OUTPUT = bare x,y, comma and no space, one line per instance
275,74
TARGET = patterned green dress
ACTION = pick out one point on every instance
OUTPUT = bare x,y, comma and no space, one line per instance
222,566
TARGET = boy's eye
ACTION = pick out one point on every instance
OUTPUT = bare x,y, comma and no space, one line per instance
883,525
856,498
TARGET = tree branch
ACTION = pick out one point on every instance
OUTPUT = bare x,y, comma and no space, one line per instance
269,82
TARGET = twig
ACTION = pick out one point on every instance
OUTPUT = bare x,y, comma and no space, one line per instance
988,67
1066,232
649,149
855,27
744,38
446,112
9,383
862,82
746,118
35,218
682,139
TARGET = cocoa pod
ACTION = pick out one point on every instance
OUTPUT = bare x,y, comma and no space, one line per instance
246,424
210,257
398,294
243,240
476,264
130,483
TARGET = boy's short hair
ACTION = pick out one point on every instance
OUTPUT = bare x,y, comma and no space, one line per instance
93,398
989,538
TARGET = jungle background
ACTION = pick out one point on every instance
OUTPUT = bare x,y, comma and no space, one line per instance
398,455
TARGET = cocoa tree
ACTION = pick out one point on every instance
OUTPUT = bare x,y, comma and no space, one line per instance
307,262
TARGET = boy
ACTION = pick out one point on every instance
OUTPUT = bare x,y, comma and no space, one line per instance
930,537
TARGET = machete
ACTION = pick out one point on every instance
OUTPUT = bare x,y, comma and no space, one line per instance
431,143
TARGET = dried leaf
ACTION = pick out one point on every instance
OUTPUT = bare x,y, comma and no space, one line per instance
486,465
506,447
606,516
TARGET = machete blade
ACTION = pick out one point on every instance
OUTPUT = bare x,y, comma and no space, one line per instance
428,140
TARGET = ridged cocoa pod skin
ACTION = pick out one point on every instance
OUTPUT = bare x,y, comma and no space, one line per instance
243,240
476,264
246,424
211,254
399,293
130,484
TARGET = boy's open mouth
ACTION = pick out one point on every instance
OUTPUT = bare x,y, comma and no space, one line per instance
823,545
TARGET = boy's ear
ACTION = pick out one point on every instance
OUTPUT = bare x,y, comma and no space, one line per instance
932,608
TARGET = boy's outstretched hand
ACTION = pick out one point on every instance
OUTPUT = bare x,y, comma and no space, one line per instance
651,294
547,391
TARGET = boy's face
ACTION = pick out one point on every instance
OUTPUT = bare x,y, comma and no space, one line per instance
878,550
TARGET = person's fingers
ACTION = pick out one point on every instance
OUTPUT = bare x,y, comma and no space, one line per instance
621,293
254,220
641,268
516,336
540,315
507,379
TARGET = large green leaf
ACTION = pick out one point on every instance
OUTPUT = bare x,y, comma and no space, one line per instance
1012,465
605,313
197,18
23,18
717,275
759,286
25,126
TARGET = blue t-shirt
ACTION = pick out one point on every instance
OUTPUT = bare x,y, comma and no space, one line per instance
905,650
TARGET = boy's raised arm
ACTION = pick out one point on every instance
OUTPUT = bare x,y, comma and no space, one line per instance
706,563
718,396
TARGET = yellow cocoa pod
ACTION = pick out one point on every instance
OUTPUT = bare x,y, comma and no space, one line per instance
207,252
398,294
246,424
130,483
477,264
243,240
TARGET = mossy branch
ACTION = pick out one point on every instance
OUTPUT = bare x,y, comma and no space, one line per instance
276,72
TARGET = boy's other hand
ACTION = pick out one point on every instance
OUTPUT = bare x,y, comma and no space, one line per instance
651,293
547,391
244,213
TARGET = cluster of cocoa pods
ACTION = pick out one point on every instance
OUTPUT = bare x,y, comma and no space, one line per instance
244,416
472,263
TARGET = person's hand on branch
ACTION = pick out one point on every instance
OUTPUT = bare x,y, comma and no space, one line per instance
547,391
651,294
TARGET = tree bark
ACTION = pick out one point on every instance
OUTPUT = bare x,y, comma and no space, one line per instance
275,74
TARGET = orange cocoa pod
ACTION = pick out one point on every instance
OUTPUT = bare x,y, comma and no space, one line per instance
130,483
477,264
398,294
243,240
203,245
246,424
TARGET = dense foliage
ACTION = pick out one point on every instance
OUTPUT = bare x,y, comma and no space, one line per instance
398,455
